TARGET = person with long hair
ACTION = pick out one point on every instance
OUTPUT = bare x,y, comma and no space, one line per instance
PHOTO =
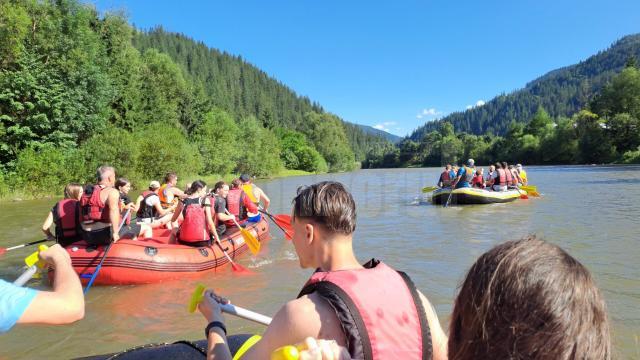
528,299
197,228
65,214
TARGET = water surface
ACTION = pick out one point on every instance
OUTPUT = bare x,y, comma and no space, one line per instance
592,212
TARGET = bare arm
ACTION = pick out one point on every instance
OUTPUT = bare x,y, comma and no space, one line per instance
224,217
176,214
63,305
438,337
211,225
177,192
113,203
264,199
46,226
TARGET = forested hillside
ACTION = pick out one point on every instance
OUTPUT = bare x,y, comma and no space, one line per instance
606,130
78,89
562,92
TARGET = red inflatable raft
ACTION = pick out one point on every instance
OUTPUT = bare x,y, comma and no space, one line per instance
154,260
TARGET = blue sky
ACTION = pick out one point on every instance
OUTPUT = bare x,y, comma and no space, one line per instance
396,64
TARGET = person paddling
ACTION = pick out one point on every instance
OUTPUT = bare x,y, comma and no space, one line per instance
169,193
465,175
65,214
100,206
239,204
370,309
197,228
63,305
149,209
256,195
478,179
498,181
523,174
446,176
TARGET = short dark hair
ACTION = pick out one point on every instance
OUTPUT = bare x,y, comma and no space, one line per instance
528,299
170,177
218,185
121,182
327,203
195,187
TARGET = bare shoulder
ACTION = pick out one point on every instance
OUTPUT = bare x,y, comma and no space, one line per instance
308,316
439,338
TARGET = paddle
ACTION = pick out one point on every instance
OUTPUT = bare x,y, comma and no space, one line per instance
449,198
252,242
33,263
523,195
531,190
106,251
198,294
283,221
234,266
3,250
428,189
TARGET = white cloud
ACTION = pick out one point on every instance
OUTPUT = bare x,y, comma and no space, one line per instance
478,104
384,126
428,112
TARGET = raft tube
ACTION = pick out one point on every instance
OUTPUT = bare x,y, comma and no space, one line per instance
466,196
154,260
179,350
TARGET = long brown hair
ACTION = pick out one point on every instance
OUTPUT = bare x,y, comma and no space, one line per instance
529,299
73,191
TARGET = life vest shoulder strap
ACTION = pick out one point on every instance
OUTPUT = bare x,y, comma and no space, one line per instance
427,343
357,338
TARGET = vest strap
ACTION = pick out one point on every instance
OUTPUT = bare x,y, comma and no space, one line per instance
352,324
427,344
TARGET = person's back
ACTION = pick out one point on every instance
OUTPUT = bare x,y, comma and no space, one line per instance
65,214
523,174
389,320
255,194
100,209
528,299
446,177
499,178
197,228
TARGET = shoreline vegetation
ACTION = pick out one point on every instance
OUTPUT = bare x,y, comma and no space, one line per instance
142,185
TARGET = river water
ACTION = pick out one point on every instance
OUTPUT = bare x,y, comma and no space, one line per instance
592,212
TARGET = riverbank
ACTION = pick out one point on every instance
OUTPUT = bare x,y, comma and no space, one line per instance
8,195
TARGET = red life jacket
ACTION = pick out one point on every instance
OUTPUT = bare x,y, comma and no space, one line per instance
93,208
146,211
502,178
194,226
445,178
235,204
66,215
508,176
382,321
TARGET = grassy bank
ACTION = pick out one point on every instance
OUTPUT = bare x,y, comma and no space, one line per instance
19,194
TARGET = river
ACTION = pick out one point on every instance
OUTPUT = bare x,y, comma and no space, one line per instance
591,211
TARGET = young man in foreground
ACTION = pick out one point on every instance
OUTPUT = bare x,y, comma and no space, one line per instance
372,310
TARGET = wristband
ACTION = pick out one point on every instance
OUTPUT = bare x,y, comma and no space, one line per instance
213,324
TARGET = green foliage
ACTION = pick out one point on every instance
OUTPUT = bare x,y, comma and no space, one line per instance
14,27
41,171
629,157
116,147
259,149
163,149
328,137
593,143
298,154
220,141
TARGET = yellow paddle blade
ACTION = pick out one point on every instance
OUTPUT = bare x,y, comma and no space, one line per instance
427,189
252,242
196,297
529,188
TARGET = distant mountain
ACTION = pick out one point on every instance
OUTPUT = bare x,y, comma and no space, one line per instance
561,92
376,132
